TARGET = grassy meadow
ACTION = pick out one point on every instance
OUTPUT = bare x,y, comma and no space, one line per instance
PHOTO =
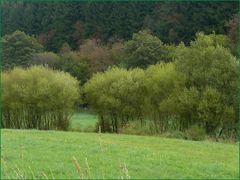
83,121
56,154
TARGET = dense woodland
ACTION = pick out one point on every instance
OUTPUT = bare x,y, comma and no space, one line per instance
159,66
54,24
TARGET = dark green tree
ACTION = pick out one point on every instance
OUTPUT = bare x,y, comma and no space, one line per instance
144,49
76,66
18,49
211,74
72,22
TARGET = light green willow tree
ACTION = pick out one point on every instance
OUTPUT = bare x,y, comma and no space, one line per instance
38,97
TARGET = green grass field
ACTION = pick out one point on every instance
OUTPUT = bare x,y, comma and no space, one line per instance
55,154
83,121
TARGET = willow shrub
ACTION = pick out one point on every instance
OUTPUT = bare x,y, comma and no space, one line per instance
197,89
117,95
210,95
163,82
38,97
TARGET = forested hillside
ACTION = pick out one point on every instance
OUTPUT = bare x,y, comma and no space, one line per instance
55,24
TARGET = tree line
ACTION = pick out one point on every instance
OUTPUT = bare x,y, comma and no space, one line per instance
144,80
198,88
55,24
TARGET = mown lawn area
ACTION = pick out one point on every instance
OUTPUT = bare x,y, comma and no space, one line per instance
56,154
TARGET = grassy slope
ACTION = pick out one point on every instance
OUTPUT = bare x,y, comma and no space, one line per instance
51,152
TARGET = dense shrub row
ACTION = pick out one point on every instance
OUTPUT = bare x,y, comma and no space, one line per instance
199,88
38,97
171,88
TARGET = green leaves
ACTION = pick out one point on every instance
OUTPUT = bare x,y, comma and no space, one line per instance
117,94
211,70
18,49
144,49
38,97
75,65
198,88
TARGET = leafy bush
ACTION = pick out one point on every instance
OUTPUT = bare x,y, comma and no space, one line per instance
196,133
117,95
38,97
210,94
162,82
